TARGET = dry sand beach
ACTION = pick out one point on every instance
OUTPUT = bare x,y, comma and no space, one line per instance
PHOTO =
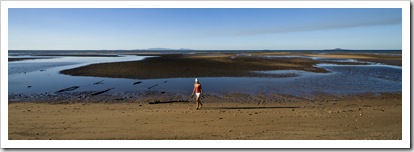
274,116
354,117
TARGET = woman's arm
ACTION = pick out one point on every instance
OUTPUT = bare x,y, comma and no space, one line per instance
193,91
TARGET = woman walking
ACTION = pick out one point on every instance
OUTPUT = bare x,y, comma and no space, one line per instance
198,90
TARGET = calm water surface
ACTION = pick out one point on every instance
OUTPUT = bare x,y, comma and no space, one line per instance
42,76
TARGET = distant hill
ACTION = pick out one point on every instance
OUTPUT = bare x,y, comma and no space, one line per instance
337,49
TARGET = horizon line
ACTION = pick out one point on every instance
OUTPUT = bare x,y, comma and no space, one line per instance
205,50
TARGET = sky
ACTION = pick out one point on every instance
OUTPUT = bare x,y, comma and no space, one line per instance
205,28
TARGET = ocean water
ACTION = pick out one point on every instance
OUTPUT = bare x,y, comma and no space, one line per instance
106,52
41,77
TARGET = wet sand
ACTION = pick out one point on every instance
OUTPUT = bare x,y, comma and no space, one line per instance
181,66
218,65
377,58
325,117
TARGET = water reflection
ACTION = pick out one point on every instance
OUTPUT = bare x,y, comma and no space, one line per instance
42,76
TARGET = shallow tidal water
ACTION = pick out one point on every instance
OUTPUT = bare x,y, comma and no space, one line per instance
41,77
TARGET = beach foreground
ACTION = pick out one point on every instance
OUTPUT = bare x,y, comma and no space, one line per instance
355,117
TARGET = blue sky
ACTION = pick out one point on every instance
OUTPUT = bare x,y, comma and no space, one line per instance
205,29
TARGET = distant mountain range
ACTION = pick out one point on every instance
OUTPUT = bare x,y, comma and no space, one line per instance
184,49
164,49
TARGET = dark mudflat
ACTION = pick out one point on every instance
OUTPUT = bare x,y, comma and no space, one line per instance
181,66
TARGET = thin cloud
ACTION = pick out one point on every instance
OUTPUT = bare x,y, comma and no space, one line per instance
316,27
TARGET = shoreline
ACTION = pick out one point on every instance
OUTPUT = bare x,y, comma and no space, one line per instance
165,97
